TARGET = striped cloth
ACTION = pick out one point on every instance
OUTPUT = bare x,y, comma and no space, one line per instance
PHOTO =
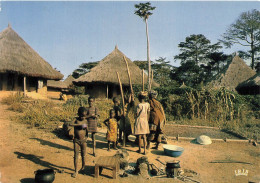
92,122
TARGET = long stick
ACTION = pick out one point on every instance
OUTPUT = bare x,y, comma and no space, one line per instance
143,80
129,77
151,81
123,103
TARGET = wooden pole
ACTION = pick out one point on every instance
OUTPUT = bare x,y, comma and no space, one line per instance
24,85
151,81
129,77
143,80
123,103
107,91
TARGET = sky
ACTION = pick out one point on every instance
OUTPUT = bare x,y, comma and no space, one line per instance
68,33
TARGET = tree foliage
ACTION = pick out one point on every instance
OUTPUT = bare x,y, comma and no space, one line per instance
246,32
83,69
196,59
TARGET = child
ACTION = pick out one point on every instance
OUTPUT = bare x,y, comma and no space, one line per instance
79,141
111,124
92,115
142,114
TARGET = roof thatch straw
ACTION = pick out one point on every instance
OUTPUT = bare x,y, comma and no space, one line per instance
250,86
236,72
56,84
17,56
105,71
68,80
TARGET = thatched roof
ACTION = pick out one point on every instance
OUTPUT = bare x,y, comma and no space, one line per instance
17,56
68,80
105,71
235,73
56,84
250,86
61,84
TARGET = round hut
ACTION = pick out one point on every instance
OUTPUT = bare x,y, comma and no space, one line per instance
250,86
232,75
102,80
21,68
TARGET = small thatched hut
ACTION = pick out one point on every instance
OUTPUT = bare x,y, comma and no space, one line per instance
234,73
55,88
250,86
21,68
102,80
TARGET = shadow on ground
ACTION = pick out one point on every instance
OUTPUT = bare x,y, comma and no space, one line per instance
51,144
38,160
27,180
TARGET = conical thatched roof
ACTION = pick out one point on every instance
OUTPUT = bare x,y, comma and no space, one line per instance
235,73
68,80
56,84
250,86
105,71
17,56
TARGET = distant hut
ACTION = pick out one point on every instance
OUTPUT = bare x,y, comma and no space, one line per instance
250,86
21,68
234,73
102,80
55,88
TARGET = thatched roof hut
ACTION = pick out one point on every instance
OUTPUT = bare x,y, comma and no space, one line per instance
16,56
68,81
56,84
234,73
250,86
103,76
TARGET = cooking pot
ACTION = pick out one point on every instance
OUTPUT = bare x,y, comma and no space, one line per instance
44,176
173,164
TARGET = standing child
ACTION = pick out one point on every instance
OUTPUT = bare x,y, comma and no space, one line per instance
142,114
111,124
92,115
79,141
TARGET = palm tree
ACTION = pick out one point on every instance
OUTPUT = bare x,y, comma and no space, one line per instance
143,11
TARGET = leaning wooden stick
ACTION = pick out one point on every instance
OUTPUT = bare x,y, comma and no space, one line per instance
151,80
143,80
129,76
123,103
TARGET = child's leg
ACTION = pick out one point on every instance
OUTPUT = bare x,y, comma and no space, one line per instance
76,154
108,145
94,143
83,154
139,142
120,136
144,140
115,147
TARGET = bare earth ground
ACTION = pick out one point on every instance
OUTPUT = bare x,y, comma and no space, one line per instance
23,151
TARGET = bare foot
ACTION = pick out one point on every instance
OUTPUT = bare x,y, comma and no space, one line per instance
74,175
82,168
145,152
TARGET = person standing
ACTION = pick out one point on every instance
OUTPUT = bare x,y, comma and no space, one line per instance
157,120
92,116
141,128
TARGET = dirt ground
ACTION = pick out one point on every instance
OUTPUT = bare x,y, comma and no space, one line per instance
24,150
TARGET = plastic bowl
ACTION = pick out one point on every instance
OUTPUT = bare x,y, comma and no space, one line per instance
173,150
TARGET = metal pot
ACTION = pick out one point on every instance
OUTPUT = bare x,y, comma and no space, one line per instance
44,176
173,164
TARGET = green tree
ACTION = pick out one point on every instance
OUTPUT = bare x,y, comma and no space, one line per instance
161,71
194,59
246,32
144,11
83,69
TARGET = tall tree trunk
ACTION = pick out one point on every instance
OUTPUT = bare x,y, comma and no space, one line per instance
252,55
148,56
